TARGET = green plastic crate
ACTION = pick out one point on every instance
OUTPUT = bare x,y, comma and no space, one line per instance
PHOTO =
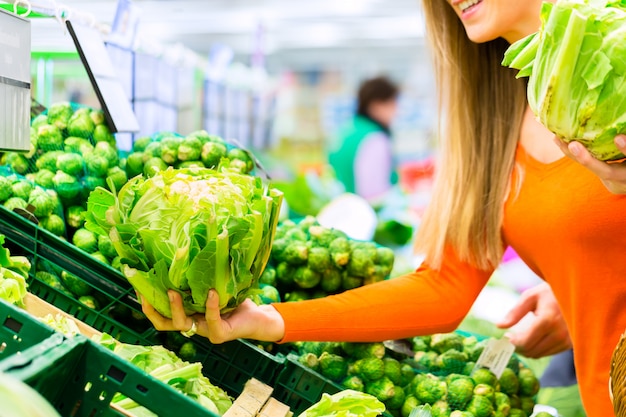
79,378
19,330
300,387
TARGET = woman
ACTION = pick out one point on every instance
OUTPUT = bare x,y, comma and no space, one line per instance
502,180
364,160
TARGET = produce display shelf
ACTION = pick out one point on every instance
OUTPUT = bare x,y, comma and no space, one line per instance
19,330
79,378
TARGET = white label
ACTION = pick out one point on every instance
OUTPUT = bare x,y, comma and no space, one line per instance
496,356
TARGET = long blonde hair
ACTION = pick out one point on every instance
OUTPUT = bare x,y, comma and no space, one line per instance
481,106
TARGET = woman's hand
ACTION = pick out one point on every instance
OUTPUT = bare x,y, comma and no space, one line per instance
547,333
249,320
613,176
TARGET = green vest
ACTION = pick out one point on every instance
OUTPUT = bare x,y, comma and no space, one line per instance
350,138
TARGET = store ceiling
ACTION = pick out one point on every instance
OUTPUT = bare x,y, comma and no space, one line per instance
301,30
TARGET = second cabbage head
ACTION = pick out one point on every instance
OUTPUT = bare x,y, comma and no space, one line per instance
576,64
190,230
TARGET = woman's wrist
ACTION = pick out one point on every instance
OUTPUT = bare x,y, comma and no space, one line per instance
272,328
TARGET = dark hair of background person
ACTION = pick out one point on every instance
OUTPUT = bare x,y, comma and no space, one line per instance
375,89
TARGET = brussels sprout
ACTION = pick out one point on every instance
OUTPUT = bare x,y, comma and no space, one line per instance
370,369
48,161
319,259
284,274
340,251
70,163
54,224
96,164
17,162
141,143
89,301
297,296
44,178
368,350
460,392
419,345
451,361
40,120
116,178
309,360
396,402
52,281
74,284
85,240
59,115
393,371
484,376
241,155
305,278
15,202
382,388
475,351
296,253
90,183
190,149
49,138
331,280
169,150
268,276
66,186
116,263
100,257
480,406
528,383
430,389
6,189
203,136
105,246
443,342
503,403
108,151
349,282
101,133
459,413
22,189
426,360
468,368
509,383
333,366
384,256
353,382
187,351
153,166
407,374
528,404
189,164
134,164
43,202
80,125
410,402
97,116
516,412
269,294
486,391
440,409
153,150
212,153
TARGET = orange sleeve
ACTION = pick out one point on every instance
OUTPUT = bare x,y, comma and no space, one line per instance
424,302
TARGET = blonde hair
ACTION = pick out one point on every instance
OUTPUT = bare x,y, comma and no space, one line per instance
481,106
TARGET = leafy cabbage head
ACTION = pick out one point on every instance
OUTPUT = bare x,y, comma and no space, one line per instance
189,230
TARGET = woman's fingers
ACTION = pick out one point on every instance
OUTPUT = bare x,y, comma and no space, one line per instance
160,323
180,320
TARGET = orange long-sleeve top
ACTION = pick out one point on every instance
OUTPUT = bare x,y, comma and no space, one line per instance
566,227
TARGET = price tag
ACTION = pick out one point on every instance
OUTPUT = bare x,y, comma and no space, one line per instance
496,356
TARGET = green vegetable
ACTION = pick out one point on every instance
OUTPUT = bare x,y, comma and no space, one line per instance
310,361
59,114
516,412
15,202
74,217
528,383
48,161
347,403
502,403
460,392
576,70
331,280
54,224
153,166
141,143
102,134
53,281
107,150
81,146
190,149
6,190
509,384
88,301
44,202
370,369
22,189
23,401
305,278
396,402
352,382
105,246
319,259
74,284
91,183
100,257
382,388
70,163
440,409
485,376
189,230
86,240
368,350
97,116
188,351
349,282
67,186
459,413
44,178
393,232
40,120
116,178
169,150
480,406
96,164
451,361
268,276
17,162
340,251
430,389
80,124
269,294
134,164
49,138
443,342
212,153
241,155
153,150
332,366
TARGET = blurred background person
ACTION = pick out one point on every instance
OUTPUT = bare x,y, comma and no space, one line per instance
364,160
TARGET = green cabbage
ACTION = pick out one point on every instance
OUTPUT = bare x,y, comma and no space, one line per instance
576,64
347,403
189,230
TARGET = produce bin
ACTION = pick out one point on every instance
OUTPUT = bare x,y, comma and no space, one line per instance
19,330
80,378
300,387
